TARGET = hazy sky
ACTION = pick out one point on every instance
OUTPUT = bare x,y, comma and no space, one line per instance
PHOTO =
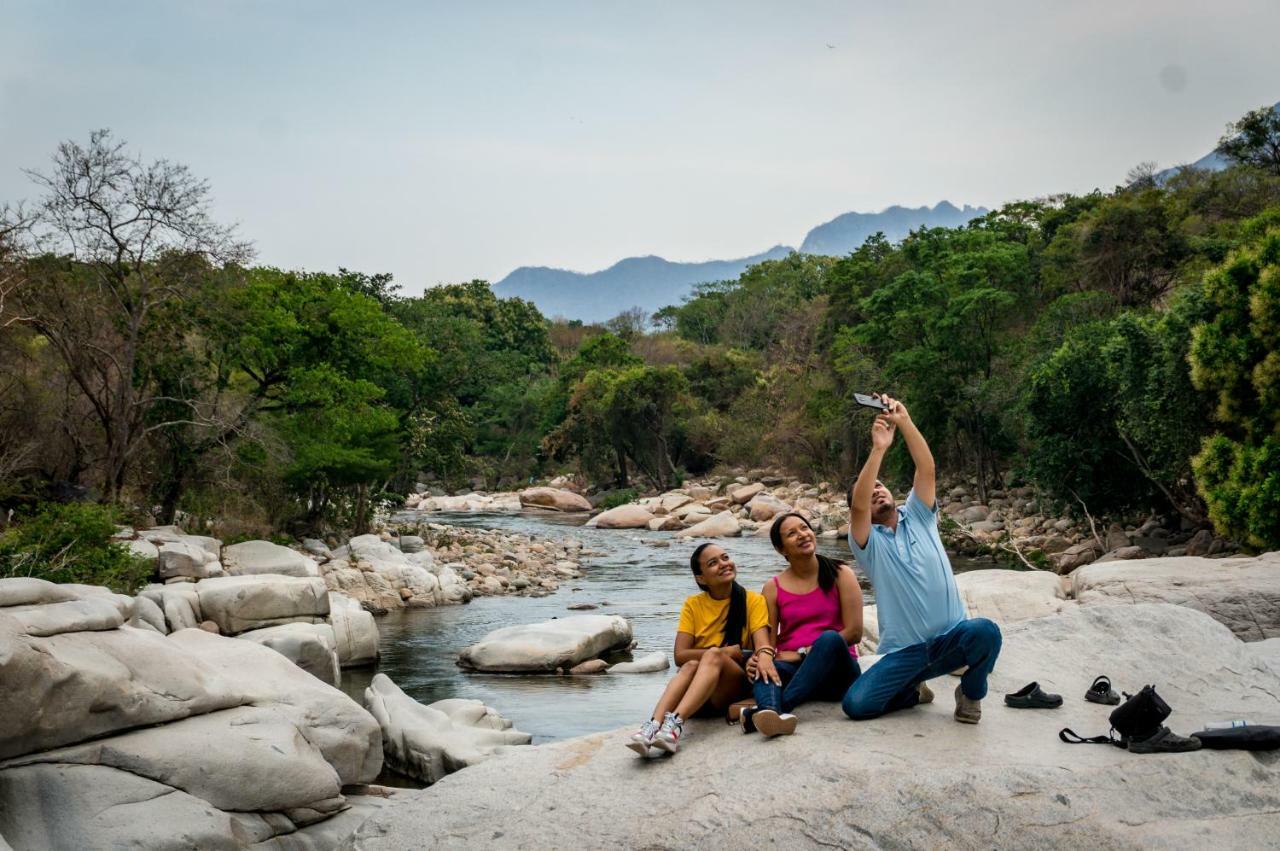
444,142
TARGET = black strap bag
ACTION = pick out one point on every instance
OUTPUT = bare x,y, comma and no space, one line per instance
1139,717
1260,738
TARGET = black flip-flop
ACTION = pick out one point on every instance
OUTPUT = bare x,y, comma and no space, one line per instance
1031,697
1101,692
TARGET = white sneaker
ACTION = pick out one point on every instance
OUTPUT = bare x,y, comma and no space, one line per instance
642,739
772,723
668,737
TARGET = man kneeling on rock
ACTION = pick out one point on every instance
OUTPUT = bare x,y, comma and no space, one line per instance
924,632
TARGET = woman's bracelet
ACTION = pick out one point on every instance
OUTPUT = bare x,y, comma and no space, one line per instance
772,651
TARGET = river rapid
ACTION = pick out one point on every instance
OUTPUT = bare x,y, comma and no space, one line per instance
629,577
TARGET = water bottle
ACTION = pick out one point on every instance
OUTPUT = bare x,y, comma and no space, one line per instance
1225,725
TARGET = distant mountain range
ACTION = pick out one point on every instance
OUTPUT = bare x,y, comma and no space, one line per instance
653,283
1212,161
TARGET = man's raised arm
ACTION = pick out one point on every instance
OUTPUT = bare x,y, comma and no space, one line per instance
925,481
860,494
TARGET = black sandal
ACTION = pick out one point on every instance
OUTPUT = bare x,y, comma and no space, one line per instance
1031,697
1164,740
1101,692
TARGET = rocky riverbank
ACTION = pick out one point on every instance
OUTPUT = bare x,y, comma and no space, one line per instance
1010,525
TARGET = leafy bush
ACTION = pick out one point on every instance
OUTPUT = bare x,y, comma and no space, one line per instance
71,543
618,497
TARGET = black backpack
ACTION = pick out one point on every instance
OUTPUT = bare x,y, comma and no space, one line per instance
1139,717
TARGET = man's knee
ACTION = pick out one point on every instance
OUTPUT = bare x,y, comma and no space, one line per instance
858,706
985,633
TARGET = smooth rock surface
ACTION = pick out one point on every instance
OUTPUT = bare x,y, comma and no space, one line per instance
1243,593
555,499
623,517
1009,596
722,525
310,646
254,557
354,631
545,646
914,779
646,664
241,603
80,685
428,742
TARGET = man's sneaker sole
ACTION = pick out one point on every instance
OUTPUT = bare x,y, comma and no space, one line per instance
770,723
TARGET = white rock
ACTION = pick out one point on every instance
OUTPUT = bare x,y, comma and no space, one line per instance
255,557
722,525
744,494
310,646
355,631
1009,596
555,499
29,591
545,646
143,549
765,506
89,614
241,603
179,603
184,559
648,663
147,614
1243,593
80,685
623,517
431,741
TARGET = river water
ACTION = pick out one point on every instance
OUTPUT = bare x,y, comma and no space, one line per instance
630,577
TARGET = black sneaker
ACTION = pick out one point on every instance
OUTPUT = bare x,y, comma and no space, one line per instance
1164,741
744,720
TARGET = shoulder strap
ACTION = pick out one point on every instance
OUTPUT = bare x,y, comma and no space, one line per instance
1071,737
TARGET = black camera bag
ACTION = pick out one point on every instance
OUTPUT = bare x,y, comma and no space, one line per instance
1139,717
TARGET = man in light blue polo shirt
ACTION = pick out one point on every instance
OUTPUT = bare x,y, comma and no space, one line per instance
924,632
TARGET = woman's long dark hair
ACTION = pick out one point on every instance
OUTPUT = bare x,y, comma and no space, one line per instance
828,568
737,617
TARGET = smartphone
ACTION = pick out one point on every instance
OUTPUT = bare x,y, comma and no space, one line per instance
869,401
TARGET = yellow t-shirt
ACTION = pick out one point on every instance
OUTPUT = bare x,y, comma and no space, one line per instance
703,617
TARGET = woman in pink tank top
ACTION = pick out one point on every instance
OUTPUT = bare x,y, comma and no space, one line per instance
815,612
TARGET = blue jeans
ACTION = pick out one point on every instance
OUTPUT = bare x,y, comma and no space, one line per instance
824,674
891,683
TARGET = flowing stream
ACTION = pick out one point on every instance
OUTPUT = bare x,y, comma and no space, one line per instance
631,577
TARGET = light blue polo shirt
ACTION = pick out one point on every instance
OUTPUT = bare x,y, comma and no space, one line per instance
916,594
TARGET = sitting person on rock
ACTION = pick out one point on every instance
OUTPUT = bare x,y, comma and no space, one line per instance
815,612
714,627
924,631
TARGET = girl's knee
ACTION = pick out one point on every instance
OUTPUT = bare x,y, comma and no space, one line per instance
690,667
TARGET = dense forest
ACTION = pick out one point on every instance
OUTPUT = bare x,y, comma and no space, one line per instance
1117,350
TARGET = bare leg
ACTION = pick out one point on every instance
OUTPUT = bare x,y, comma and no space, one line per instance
718,679
675,690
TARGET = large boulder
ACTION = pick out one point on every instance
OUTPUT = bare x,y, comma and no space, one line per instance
181,558
722,525
310,646
1009,596
354,631
555,499
179,603
913,779
428,742
646,664
546,646
624,517
346,735
765,506
1243,593
746,493
254,557
88,614
30,591
81,685
241,603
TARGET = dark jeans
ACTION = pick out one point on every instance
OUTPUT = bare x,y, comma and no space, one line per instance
891,683
825,674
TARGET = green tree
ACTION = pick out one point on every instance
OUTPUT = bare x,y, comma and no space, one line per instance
1235,358
1254,140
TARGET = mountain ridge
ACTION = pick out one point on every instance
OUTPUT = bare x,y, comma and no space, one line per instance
653,282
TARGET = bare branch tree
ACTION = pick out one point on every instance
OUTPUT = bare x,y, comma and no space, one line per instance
113,233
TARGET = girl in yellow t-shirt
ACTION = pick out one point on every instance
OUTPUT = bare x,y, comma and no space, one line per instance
714,627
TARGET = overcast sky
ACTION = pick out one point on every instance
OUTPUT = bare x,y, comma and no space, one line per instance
444,142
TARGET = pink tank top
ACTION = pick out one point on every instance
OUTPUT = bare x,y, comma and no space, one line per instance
804,617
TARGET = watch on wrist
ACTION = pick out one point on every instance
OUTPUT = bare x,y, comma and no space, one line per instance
803,651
